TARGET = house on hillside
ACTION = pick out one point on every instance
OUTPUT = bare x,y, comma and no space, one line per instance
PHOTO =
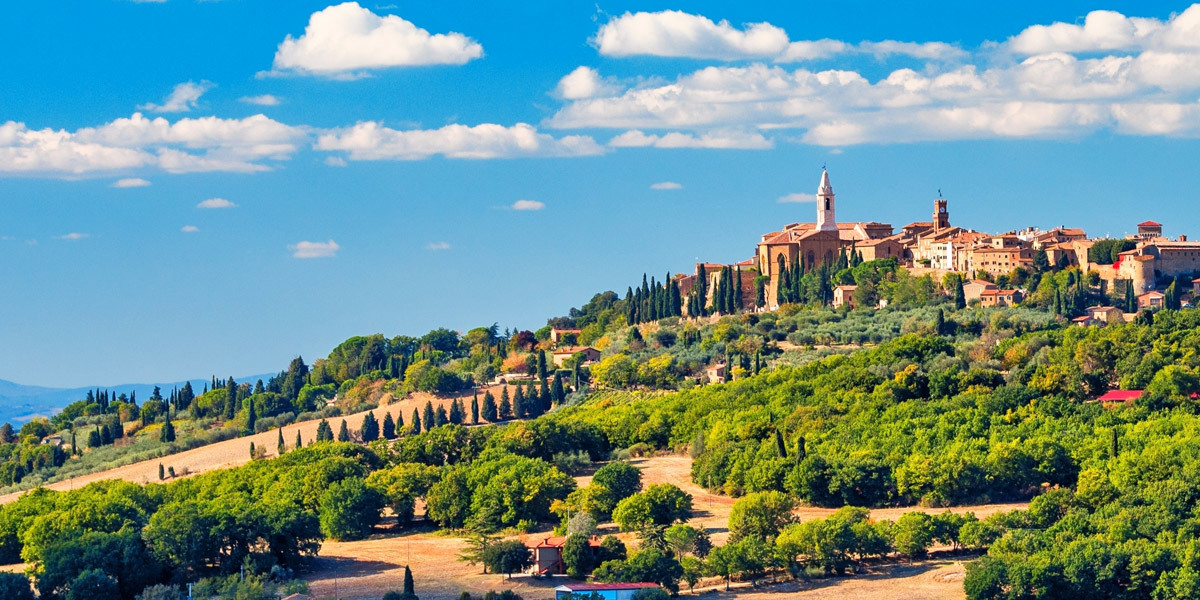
562,355
603,591
1152,300
1125,397
715,373
992,298
976,287
844,294
1106,314
568,336
548,555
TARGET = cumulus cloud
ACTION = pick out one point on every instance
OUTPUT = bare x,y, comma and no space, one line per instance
584,82
673,33
729,140
263,100
182,99
373,141
1101,30
314,249
216,203
130,182
528,205
187,145
790,198
437,246
346,39
189,229
73,236
666,185
676,33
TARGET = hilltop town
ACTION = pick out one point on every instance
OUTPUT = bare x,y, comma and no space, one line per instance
1135,272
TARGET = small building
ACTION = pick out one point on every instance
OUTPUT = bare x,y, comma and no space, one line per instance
1119,396
547,555
844,294
1084,321
1152,300
993,298
715,373
1106,314
562,355
559,335
1196,287
605,591
973,289
54,440
1148,230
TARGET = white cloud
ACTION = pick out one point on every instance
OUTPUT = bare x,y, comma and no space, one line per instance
346,38
1101,30
584,82
216,203
666,185
189,229
437,246
372,141
182,99
728,140
673,33
335,161
314,249
263,100
797,198
528,205
676,33
131,182
73,236
187,145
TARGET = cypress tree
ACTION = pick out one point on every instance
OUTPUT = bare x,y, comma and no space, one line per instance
960,298
801,451
253,452
780,447
440,416
415,427
324,431
506,411
475,407
230,399
544,398
556,392
939,323
167,435
95,440
370,428
389,427
343,432
456,414
427,417
251,415
541,364
409,591
162,473
518,404
490,412
299,442
281,447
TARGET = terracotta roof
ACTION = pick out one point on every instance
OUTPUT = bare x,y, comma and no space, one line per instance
846,288
1120,396
1149,224
573,349
1082,319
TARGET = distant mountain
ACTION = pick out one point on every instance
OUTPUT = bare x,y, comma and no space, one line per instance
20,403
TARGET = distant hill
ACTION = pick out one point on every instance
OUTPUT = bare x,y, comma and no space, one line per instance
20,403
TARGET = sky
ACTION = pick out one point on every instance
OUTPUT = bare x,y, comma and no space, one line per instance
213,187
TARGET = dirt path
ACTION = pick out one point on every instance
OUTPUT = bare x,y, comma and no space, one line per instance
231,453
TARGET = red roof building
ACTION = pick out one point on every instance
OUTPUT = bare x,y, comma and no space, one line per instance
1125,396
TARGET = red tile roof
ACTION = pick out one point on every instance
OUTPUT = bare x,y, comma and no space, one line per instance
1149,224
1120,396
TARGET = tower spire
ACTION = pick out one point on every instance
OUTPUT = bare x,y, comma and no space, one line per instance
826,220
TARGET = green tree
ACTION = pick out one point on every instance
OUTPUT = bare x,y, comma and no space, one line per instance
913,534
280,446
370,428
761,515
507,557
660,504
167,435
490,412
14,586
94,584
577,556
324,431
389,427
620,479
349,510
427,417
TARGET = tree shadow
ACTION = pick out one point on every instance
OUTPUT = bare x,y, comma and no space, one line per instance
325,567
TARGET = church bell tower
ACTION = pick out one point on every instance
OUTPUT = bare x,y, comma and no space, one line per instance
825,204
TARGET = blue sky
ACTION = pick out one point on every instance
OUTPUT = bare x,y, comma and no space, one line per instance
370,158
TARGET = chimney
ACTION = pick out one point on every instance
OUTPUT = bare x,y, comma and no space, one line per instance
1183,238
